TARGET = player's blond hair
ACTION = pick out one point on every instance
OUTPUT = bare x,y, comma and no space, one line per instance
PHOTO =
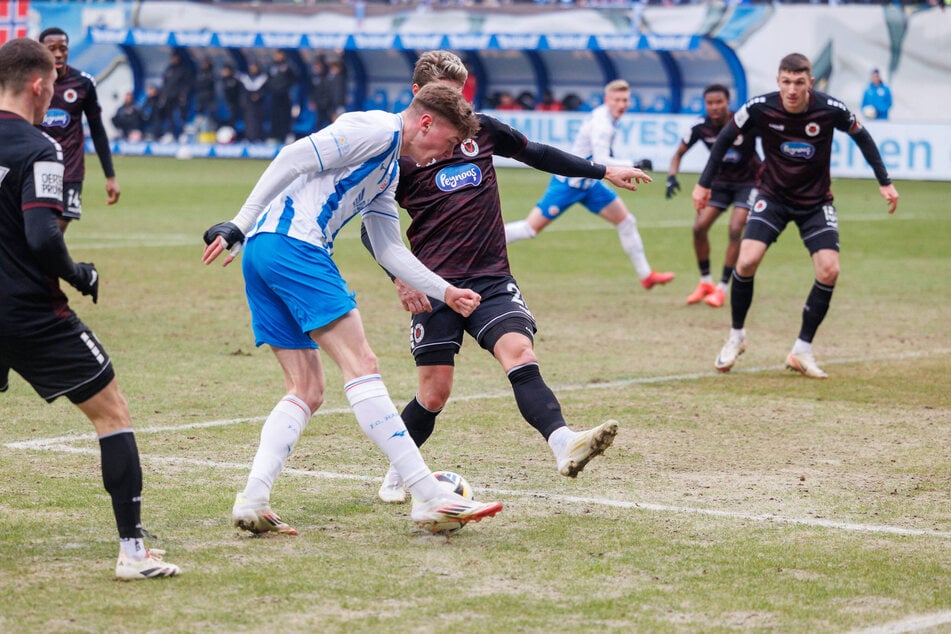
617,85
439,65
448,103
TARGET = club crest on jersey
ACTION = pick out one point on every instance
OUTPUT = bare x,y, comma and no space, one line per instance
56,118
70,95
798,149
469,148
812,128
759,206
456,177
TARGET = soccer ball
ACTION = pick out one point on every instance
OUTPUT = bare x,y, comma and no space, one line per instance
870,112
454,482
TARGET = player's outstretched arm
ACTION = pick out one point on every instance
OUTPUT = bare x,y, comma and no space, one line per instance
890,194
626,177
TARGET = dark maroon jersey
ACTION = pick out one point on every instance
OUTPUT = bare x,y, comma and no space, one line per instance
741,161
74,94
31,175
797,146
457,229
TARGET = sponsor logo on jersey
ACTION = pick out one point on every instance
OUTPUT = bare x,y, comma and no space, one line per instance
48,179
456,177
731,156
812,128
798,149
56,118
70,95
759,206
469,148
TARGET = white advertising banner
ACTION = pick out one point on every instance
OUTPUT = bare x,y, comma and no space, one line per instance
911,151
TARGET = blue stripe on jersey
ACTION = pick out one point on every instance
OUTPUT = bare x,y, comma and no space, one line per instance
360,174
317,152
287,216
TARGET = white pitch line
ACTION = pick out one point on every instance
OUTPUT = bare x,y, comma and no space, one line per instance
61,444
570,499
39,443
910,624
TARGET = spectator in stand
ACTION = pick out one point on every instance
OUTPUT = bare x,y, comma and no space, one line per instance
128,119
206,99
337,78
321,99
150,111
877,100
174,96
505,101
549,103
252,104
282,77
231,91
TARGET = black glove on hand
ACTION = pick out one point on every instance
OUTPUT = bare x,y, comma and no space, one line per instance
86,280
672,187
227,230
644,164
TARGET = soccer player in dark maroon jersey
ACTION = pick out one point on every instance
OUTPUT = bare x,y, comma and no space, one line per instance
794,185
41,338
458,232
731,186
75,96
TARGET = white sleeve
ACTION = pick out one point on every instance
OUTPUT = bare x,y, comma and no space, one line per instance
295,159
602,133
383,229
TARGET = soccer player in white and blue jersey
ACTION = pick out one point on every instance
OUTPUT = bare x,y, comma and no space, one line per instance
594,142
300,302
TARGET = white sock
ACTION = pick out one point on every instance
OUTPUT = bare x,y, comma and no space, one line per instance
738,335
559,439
518,230
706,279
279,434
382,424
801,346
633,245
132,547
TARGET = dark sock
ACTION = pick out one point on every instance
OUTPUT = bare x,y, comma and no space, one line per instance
419,421
704,267
727,274
122,477
817,305
741,298
535,400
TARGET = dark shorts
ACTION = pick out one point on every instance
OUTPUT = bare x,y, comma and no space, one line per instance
724,195
818,226
436,337
65,359
73,200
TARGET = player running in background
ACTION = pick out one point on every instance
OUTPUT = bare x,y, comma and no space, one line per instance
41,338
457,230
795,125
594,141
732,185
76,95
299,300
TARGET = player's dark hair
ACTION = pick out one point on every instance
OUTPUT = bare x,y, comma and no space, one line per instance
717,88
795,63
448,103
53,30
21,60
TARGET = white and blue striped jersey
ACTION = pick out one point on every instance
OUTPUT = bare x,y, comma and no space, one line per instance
317,184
